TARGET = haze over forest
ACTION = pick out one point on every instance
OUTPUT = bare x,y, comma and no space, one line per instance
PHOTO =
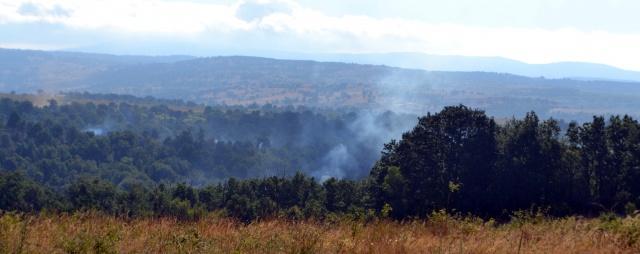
330,101
245,80
304,126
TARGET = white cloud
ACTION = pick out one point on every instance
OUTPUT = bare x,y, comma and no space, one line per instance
33,46
140,16
349,33
31,9
256,10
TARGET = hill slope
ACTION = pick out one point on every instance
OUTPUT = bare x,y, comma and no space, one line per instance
248,80
582,70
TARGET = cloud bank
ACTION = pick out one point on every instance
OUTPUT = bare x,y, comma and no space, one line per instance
175,27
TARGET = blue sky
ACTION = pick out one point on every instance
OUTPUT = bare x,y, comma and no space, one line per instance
533,31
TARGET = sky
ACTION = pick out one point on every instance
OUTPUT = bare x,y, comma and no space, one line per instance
532,31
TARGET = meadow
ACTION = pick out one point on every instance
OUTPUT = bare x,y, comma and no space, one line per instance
93,232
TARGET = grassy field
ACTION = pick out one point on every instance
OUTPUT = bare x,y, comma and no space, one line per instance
94,233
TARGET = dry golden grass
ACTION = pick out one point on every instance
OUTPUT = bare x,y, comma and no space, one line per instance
94,233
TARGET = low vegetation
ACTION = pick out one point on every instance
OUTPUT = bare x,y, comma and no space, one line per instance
439,233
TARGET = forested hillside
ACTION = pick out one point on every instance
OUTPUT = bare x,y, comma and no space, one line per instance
164,162
144,141
30,70
238,80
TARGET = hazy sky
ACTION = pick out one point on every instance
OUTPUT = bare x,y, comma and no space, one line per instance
534,31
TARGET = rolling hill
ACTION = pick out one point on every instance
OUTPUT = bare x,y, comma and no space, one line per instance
240,80
559,70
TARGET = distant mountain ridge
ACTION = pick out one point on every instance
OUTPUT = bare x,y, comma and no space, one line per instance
411,60
580,70
242,80
28,70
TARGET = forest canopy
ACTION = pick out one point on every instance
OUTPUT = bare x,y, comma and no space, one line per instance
158,161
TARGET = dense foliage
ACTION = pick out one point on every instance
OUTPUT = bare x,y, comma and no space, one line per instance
458,159
131,144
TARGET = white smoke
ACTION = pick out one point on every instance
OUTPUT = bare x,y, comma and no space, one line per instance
371,131
335,162
96,131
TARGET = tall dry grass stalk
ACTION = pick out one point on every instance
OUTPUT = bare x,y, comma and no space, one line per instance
95,233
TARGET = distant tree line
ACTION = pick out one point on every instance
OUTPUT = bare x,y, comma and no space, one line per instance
296,197
458,160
